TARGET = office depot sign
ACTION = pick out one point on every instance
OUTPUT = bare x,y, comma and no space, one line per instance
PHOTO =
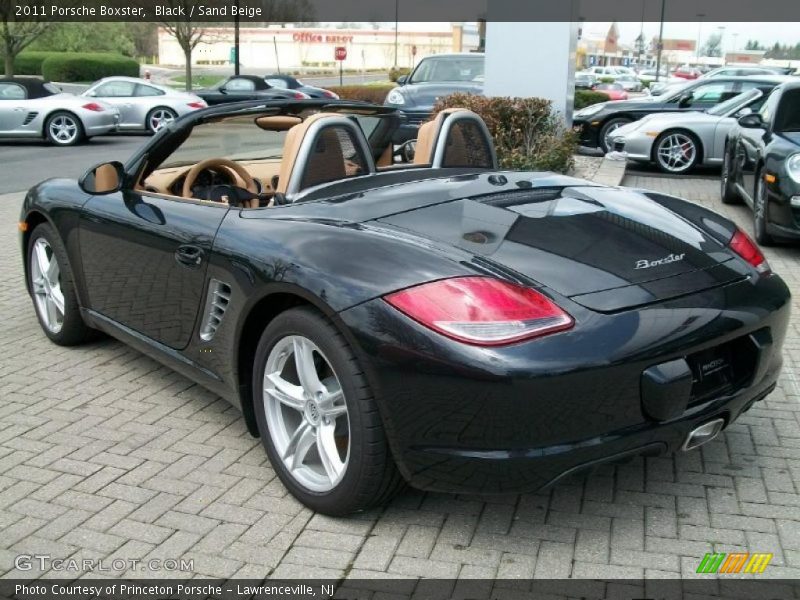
320,38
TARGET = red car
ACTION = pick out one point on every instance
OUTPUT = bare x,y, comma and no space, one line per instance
614,91
687,73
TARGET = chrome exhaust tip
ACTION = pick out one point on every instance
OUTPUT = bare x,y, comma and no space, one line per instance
703,434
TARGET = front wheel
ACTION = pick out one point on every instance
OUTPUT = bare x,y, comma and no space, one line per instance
761,212
64,129
676,152
608,128
318,420
160,117
728,193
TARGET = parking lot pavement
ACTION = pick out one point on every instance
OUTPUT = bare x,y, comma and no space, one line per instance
106,454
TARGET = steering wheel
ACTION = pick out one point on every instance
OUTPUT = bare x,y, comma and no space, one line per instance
209,163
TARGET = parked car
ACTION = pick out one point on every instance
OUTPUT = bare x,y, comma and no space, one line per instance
239,88
649,75
433,77
610,71
742,71
687,72
584,81
281,80
762,165
142,105
35,109
457,326
597,121
679,142
614,91
630,83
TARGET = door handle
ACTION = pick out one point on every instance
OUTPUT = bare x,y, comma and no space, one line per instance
189,255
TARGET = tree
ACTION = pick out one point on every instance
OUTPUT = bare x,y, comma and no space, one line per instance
15,36
713,45
753,45
187,34
87,37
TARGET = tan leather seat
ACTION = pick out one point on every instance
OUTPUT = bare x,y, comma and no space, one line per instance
468,143
291,147
427,136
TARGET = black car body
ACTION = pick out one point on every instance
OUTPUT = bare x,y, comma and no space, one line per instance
762,165
651,323
433,78
239,88
281,80
597,121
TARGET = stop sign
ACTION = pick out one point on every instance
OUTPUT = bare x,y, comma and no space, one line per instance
341,53
413,50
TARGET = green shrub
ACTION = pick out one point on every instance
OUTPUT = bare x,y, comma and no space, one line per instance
527,133
584,98
395,74
30,63
70,67
645,84
375,94
605,80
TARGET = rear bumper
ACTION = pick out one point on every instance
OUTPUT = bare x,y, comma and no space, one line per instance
636,146
100,123
518,418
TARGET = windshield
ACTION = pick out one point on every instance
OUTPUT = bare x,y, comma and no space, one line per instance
735,103
449,68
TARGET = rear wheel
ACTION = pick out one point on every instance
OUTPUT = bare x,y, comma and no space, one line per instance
676,152
760,211
728,192
318,420
53,291
608,128
64,129
159,117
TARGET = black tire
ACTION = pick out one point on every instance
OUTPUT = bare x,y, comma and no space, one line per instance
608,126
69,139
73,329
728,193
761,211
148,122
371,476
690,138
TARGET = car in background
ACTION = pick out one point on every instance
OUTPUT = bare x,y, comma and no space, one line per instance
609,71
287,82
240,88
598,121
742,71
584,81
35,109
433,78
761,165
614,91
649,75
142,105
679,142
687,72
630,83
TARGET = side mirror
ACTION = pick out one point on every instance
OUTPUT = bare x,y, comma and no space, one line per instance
105,178
751,121
743,112
408,151
685,100
402,80
222,90
91,94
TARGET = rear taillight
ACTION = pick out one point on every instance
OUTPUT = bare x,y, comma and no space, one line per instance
300,95
94,107
329,94
481,310
749,250
196,104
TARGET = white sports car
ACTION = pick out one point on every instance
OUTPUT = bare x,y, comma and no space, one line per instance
677,142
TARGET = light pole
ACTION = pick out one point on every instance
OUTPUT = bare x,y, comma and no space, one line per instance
721,30
236,41
699,35
396,20
660,40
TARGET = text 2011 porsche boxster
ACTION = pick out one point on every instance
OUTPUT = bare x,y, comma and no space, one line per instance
440,322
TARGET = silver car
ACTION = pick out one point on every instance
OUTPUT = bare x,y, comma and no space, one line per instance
35,109
678,142
143,106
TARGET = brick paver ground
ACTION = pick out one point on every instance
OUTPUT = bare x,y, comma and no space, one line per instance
106,454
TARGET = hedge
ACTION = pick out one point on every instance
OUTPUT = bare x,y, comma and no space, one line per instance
528,134
394,74
366,93
584,98
79,66
30,63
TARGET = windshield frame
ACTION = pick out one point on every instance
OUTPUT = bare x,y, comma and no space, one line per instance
738,102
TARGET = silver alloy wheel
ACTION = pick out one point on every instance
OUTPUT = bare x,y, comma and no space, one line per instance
676,152
63,129
306,413
161,117
46,280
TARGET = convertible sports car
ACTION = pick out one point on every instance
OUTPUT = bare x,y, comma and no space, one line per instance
245,87
762,165
678,142
34,109
441,322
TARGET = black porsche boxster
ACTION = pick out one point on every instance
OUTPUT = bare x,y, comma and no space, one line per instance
440,322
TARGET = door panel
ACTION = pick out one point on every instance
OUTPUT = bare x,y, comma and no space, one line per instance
144,260
12,109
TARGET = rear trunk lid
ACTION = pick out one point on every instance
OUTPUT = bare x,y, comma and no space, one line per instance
607,249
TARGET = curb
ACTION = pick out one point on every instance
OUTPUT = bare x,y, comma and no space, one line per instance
611,172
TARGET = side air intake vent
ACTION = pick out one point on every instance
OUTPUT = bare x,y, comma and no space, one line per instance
219,296
30,117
